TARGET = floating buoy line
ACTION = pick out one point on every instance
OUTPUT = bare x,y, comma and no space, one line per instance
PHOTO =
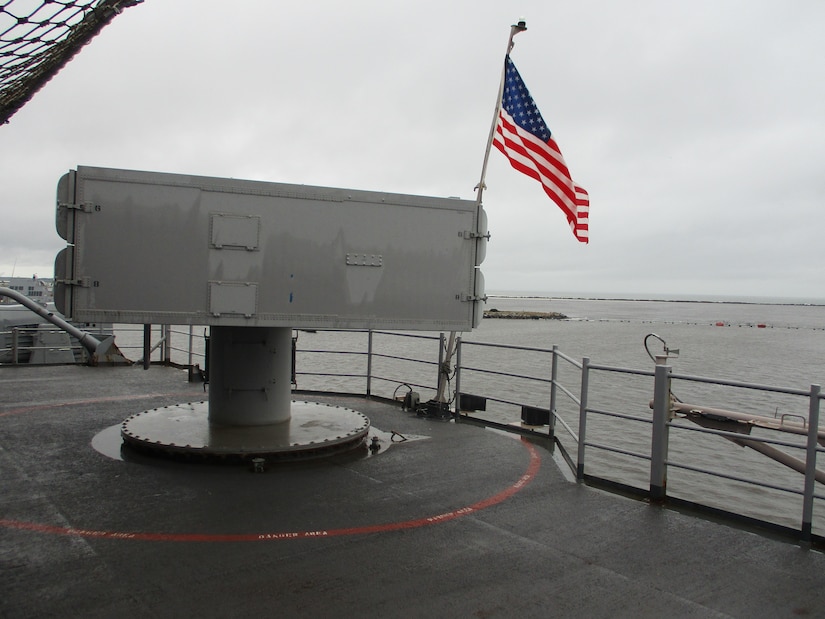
719,323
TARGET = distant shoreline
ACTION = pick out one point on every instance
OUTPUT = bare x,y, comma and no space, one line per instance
655,300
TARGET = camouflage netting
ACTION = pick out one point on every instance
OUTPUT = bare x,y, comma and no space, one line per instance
38,37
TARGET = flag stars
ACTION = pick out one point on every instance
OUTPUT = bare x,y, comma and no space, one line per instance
516,100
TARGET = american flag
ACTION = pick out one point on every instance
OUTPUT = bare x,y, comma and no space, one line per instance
524,138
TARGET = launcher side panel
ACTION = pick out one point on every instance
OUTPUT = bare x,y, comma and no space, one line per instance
146,247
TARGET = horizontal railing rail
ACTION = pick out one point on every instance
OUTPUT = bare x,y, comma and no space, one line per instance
189,350
734,435
368,352
740,384
17,344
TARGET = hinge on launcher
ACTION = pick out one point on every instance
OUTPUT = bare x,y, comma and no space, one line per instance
472,297
86,207
469,234
83,282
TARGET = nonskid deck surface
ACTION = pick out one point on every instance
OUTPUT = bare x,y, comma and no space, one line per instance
455,521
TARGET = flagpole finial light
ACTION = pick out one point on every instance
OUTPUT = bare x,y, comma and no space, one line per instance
520,26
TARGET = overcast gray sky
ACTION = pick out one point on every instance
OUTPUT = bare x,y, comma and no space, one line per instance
696,126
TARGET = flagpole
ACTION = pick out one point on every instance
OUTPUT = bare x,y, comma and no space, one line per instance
516,28
444,371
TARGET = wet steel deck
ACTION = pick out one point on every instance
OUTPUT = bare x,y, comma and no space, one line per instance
464,523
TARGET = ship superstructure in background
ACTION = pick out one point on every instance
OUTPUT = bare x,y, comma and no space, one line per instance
37,289
32,330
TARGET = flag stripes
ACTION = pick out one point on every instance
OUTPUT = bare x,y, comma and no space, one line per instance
524,138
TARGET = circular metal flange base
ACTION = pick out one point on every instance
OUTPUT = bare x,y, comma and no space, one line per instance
184,430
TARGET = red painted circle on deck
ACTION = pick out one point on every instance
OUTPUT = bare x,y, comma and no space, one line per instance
526,478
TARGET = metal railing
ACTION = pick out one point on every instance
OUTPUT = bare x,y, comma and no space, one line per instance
20,345
544,384
506,377
374,376
665,418
162,344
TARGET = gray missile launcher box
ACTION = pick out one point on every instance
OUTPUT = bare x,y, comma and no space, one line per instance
156,248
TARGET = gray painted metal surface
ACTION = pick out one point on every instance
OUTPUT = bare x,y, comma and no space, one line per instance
249,374
147,247
137,538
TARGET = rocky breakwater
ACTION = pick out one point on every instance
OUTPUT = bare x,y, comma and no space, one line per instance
519,315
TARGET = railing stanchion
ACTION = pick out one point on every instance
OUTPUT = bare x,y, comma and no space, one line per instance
810,464
554,373
659,440
189,357
369,362
458,378
582,418
167,344
441,349
147,346
15,344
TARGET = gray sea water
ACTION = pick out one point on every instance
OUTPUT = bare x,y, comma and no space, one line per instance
771,343
761,341
789,348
